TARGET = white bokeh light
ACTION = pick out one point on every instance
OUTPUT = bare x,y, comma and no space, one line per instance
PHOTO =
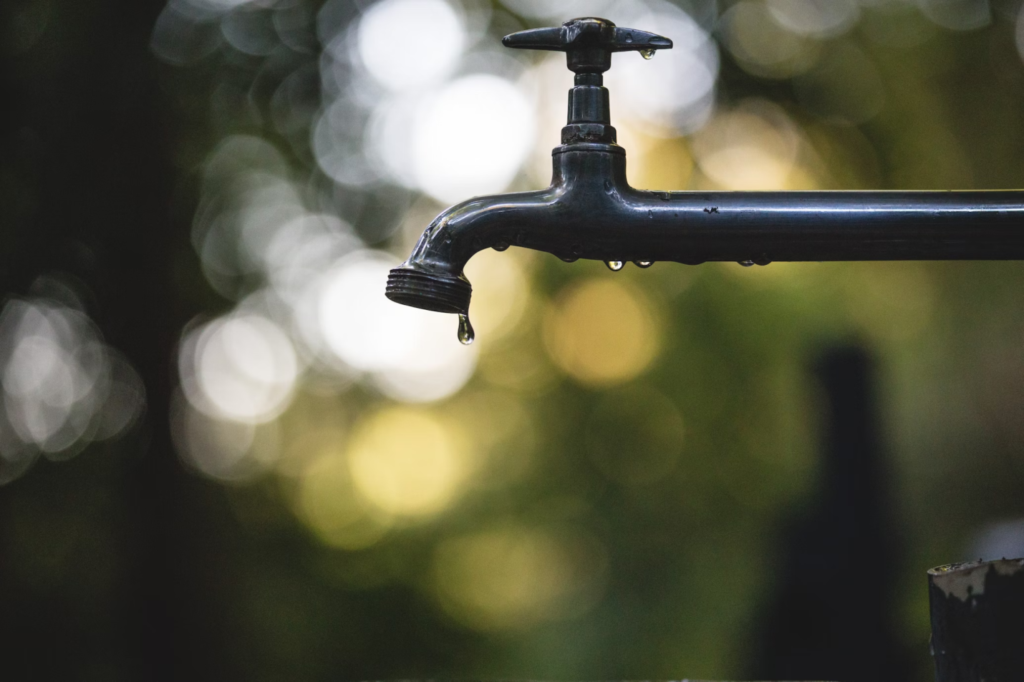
408,44
62,387
958,15
471,138
408,354
303,248
674,90
817,18
242,368
560,11
223,449
389,143
337,143
50,377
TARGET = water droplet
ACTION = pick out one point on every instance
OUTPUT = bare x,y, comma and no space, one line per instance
614,265
500,246
466,333
647,54
746,263
570,259
643,263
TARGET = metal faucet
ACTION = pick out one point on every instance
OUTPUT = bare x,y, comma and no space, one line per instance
590,211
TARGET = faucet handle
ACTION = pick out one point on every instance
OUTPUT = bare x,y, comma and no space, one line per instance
588,42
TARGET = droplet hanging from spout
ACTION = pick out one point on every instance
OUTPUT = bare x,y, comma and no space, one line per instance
615,265
647,54
466,333
643,263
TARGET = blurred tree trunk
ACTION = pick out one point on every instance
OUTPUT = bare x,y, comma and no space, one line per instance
87,191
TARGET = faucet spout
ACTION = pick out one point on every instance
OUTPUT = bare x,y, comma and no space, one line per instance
586,187
432,278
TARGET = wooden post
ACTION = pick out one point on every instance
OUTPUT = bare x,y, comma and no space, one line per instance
978,621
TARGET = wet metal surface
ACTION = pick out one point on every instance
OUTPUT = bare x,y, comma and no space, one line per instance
590,211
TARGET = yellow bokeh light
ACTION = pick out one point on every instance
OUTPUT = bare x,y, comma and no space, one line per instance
658,163
762,46
892,301
602,332
520,364
504,435
407,462
754,147
307,441
515,577
330,506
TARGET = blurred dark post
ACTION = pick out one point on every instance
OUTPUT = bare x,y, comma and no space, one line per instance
978,621
830,619
84,130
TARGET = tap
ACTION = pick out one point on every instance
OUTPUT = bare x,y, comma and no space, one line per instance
590,211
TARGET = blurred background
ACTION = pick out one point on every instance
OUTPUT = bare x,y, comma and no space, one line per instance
225,455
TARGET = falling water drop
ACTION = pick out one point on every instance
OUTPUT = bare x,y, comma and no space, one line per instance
614,265
466,333
746,263
647,54
643,263
500,246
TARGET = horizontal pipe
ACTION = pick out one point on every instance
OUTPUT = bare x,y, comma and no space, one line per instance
591,212
806,226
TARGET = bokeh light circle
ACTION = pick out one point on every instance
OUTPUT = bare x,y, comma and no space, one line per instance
407,44
602,332
514,577
471,138
674,90
242,368
411,355
407,462
333,509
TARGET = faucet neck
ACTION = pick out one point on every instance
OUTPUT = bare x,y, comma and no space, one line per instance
595,169
589,118
588,44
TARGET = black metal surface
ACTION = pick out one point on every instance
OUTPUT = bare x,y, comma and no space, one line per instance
590,211
588,42
977,628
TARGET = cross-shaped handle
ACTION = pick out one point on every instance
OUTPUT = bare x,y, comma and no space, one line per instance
588,42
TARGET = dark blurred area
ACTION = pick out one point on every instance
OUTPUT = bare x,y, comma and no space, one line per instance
832,617
224,455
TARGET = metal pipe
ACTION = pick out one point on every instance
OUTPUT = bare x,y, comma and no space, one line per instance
591,212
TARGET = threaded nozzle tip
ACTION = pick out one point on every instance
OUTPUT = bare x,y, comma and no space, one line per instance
429,291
